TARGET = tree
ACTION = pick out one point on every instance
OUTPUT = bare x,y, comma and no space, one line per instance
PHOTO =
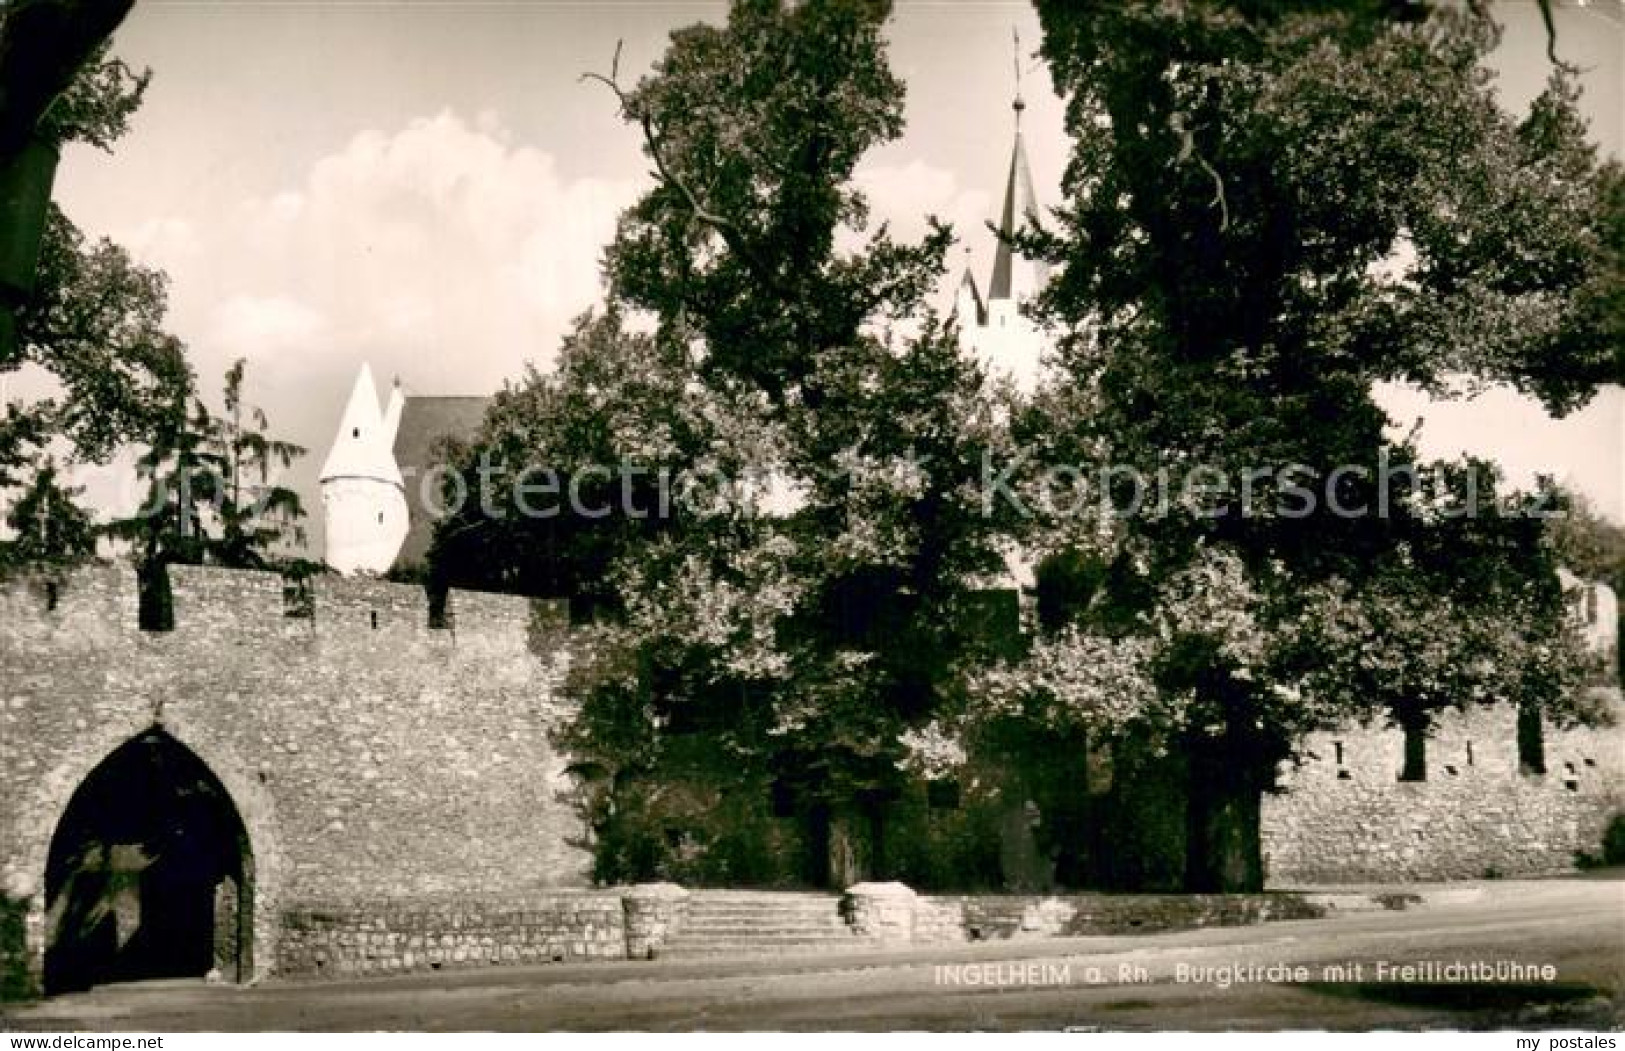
826,633
1589,545
211,498
49,528
94,322
808,595
1269,208
789,652
614,399
753,130
44,45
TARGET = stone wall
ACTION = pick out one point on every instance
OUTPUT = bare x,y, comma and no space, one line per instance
1475,816
892,914
397,781
370,756
371,936
940,918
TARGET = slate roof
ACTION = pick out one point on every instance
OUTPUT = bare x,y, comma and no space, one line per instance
424,422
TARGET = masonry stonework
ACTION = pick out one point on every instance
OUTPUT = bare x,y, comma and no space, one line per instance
354,938
370,757
1345,817
404,807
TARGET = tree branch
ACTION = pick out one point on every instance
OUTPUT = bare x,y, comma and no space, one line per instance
1187,151
653,142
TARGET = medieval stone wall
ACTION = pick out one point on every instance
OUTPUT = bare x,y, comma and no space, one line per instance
1350,819
352,939
369,755
404,804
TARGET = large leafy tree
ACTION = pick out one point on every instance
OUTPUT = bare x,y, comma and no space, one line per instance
753,130
1270,208
94,322
806,597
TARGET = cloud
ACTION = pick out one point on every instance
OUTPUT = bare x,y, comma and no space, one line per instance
258,327
440,252
906,194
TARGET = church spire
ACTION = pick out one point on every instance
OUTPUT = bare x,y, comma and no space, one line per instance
1013,279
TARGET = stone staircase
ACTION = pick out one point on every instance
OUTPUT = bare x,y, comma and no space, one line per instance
757,923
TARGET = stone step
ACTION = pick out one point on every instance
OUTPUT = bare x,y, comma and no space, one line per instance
756,923
744,930
775,924
766,913
764,906
765,899
720,947
754,948
763,921
762,936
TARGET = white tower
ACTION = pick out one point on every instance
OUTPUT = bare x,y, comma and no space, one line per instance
363,496
996,331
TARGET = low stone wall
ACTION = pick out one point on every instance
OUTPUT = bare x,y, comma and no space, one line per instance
968,918
653,913
892,914
351,939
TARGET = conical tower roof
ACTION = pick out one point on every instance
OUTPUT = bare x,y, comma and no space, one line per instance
361,449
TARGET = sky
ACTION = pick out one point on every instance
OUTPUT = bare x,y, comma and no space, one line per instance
427,186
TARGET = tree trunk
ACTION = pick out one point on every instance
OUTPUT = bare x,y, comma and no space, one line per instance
849,860
1416,750
1531,740
1222,848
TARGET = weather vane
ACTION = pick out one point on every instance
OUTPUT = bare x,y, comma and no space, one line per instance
1019,104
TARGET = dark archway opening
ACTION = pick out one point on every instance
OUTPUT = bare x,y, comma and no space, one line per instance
150,874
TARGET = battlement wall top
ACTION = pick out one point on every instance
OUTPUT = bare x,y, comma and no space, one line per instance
104,596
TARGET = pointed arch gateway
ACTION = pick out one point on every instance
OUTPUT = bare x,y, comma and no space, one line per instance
150,873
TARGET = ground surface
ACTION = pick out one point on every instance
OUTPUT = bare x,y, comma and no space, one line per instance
1132,983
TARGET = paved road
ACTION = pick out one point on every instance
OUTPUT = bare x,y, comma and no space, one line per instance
1166,981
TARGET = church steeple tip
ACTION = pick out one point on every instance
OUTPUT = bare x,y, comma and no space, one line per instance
1020,208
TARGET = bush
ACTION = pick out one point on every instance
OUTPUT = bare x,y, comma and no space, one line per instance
1613,842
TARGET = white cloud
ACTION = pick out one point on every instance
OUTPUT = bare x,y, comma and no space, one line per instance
163,243
438,252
